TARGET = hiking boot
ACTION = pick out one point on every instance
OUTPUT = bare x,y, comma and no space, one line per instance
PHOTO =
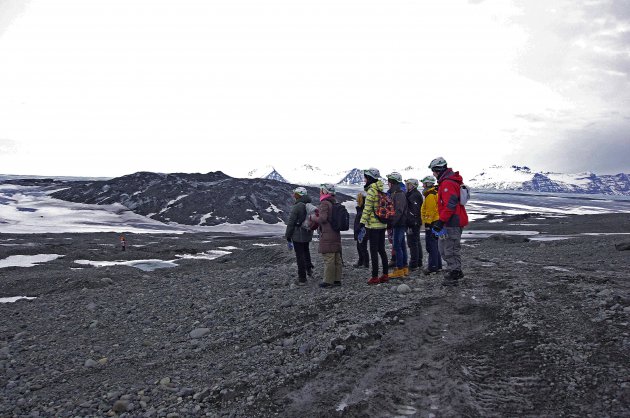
406,271
337,283
429,271
374,280
383,279
309,271
451,278
325,285
300,282
450,282
397,273
460,274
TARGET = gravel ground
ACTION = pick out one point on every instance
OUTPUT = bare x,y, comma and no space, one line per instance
537,328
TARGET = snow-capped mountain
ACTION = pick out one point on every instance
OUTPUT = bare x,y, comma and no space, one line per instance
523,178
354,176
308,174
305,174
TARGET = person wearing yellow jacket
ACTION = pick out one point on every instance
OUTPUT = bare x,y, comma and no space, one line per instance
375,229
430,214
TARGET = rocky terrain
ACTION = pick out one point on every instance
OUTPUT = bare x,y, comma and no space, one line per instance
537,328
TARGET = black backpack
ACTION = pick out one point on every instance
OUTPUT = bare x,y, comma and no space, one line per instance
339,217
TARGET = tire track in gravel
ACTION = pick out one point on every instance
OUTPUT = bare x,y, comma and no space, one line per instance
409,371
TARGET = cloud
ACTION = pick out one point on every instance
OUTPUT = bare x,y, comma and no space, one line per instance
7,146
9,11
602,147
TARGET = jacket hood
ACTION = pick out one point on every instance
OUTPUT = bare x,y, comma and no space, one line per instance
378,185
426,191
304,199
451,175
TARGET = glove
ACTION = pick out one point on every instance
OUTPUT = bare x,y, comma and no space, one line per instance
290,245
441,234
361,234
437,225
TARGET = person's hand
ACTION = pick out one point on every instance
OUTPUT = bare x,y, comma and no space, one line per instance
441,234
289,245
361,234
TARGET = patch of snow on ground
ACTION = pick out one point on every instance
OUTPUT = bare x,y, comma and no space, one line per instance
15,299
27,260
168,205
229,247
144,265
208,255
154,264
272,208
259,244
55,216
556,268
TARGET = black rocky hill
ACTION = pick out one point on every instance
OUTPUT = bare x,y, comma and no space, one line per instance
191,199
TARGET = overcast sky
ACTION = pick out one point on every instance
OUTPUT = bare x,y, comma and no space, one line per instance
111,87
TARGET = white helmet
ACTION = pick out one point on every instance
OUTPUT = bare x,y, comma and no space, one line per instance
438,162
372,172
394,176
300,191
429,180
327,188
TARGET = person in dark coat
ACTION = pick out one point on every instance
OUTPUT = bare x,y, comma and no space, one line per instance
299,238
414,223
362,246
329,239
399,224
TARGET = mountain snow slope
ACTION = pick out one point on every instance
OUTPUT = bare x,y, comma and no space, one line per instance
308,174
524,179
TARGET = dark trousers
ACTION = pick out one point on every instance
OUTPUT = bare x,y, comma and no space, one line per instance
362,249
303,256
415,247
377,248
431,241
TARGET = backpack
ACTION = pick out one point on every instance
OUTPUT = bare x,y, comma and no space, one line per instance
311,218
464,193
339,217
384,211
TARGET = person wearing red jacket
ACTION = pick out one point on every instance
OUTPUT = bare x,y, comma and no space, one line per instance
453,218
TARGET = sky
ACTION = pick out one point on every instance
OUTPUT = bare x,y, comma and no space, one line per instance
111,87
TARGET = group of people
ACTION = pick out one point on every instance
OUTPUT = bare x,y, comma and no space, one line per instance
437,209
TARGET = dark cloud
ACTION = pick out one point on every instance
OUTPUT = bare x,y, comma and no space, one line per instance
601,147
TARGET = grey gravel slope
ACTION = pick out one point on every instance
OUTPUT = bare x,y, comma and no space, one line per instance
537,328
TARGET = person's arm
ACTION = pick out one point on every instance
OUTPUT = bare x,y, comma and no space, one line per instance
293,218
368,209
